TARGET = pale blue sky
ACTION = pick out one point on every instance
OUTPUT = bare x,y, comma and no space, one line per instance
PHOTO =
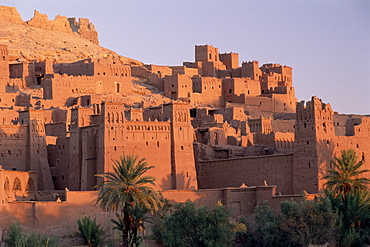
326,42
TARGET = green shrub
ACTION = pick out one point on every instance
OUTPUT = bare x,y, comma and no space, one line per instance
91,232
16,238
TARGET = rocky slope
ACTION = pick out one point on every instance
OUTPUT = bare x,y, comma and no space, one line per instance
62,39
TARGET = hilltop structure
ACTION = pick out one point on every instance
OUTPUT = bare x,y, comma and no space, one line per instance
218,125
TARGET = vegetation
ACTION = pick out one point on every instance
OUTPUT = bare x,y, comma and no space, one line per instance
298,224
350,199
127,192
189,225
92,234
346,176
16,238
342,214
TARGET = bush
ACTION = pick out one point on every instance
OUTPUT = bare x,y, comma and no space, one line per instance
299,224
192,226
91,232
16,238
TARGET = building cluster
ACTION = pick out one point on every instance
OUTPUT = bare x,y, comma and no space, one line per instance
226,125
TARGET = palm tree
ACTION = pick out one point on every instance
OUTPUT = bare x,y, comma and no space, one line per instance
346,175
126,189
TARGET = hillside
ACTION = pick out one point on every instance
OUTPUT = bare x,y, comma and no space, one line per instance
41,38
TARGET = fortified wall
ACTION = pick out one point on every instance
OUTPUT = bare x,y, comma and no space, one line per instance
82,27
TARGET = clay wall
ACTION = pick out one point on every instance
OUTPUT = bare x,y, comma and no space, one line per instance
16,185
146,138
46,217
135,115
340,121
216,137
37,150
251,70
89,153
260,125
266,106
177,86
210,69
59,161
284,142
136,138
116,79
55,218
102,76
141,72
350,126
4,65
153,78
206,53
313,147
55,129
231,60
84,67
209,89
229,113
154,113
230,73
13,147
55,84
8,116
284,71
238,86
8,100
161,71
182,138
275,169
284,126
184,70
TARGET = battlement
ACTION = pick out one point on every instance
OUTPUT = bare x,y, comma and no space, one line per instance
10,14
83,27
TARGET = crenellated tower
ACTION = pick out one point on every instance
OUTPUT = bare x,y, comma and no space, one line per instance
4,67
314,146
182,137
37,151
